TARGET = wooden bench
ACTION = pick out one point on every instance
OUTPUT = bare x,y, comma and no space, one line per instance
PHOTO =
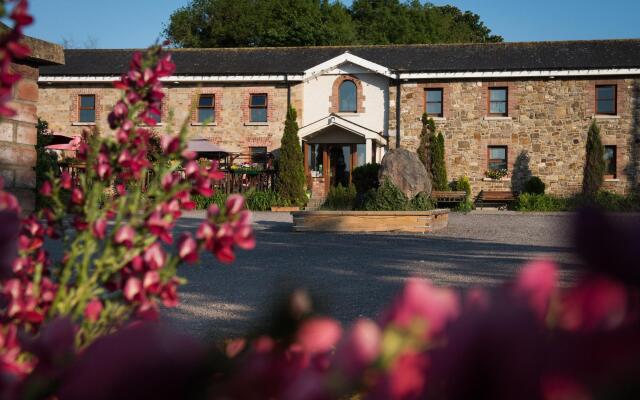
497,198
449,196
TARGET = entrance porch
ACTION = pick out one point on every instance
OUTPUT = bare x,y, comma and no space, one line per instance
333,147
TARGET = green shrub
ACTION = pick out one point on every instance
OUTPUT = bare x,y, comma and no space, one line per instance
422,202
607,201
386,198
534,186
463,184
594,165
202,203
341,198
541,202
262,200
365,177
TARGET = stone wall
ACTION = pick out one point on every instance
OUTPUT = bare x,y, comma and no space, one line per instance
231,129
545,130
18,138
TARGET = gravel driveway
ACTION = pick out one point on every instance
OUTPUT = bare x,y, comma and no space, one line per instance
354,275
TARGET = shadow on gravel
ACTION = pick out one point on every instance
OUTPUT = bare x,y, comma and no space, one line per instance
350,275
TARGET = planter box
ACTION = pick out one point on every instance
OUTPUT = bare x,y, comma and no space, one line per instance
285,209
371,221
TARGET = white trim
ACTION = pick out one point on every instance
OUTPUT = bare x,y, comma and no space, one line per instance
497,118
336,120
346,57
176,79
520,74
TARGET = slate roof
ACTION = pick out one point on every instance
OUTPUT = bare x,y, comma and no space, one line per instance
594,54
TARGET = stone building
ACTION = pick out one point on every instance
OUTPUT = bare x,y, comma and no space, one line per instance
18,133
524,107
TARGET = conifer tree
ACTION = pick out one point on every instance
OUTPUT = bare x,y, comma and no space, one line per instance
594,164
438,166
424,152
291,180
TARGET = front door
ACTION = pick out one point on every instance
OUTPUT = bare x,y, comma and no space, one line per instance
340,160
331,164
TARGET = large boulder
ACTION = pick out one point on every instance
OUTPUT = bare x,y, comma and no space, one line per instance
404,169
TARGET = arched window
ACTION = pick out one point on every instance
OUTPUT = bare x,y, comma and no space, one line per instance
348,97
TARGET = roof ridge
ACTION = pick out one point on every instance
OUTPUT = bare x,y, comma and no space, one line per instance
363,46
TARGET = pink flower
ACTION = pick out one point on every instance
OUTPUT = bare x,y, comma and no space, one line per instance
160,226
124,236
132,288
154,256
169,144
536,284
234,204
594,303
359,348
45,189
80,224
77,196
99,228
406,379
93,310
191,168
188,248
65,180
422,303
318,335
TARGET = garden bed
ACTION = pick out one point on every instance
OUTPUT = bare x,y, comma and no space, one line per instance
371,221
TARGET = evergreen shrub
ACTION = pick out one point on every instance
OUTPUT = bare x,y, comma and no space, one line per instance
534,185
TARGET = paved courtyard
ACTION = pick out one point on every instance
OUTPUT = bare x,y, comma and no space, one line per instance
355,275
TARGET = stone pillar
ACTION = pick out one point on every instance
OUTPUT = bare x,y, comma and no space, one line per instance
368,152
18,133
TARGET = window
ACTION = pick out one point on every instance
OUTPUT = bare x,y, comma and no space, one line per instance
361,156
258,107
610,153
498,98
606,99
258,155
433,100
348,96
206,108
87,109
497,158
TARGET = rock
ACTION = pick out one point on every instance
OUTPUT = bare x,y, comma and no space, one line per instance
404,169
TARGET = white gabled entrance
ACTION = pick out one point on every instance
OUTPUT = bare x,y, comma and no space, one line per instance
333,146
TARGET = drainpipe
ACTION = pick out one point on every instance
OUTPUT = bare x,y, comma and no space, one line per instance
286,81
398,88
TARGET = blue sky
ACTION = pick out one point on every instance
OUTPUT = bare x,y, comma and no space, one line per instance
138,23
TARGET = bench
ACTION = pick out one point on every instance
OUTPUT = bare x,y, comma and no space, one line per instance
500,198
449,196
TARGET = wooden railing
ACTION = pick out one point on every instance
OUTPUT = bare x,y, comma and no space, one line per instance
239,182
233,181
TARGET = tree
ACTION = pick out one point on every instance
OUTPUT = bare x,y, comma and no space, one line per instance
438,166
258,23
594,165
424,152
291,180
